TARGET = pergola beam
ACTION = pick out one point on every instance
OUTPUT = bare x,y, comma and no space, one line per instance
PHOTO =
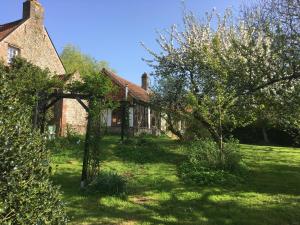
82,104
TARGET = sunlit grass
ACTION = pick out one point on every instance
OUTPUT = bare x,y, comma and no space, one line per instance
156,195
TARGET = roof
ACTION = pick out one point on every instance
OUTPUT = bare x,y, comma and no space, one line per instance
6,29
134,90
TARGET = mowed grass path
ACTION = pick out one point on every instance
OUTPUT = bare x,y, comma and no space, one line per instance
156,195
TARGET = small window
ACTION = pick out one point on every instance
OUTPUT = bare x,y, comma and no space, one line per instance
12,53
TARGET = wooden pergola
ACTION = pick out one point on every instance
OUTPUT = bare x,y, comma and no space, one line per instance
46,101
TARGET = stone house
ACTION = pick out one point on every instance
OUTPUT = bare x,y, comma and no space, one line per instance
29,39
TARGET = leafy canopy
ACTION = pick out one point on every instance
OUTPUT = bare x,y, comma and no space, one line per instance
74,60
224,75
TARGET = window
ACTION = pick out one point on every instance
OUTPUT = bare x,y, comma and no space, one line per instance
142,116
116,118
12,53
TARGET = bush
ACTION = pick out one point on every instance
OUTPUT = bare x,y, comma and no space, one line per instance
207,154
206,166
27,196
108,183
72,136
207,176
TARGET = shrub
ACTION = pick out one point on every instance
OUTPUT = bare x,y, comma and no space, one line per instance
204,164
108,183
27,196
207,154
207,176
72,136
233,157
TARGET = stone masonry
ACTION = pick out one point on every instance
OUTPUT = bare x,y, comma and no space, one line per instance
34,43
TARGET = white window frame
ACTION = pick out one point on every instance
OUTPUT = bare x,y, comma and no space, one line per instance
12,52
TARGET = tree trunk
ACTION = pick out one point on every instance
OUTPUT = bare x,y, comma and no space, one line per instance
172,128
221,144
265,135
123,121
215,136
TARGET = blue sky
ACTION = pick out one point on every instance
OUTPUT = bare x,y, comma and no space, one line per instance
112,30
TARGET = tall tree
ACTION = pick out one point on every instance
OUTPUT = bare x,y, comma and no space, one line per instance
279,22
212,74
75,60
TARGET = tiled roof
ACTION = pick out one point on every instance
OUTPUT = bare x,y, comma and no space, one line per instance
134,90
6,29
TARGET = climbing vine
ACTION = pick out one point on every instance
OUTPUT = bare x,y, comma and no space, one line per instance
40,91
125,132
99,90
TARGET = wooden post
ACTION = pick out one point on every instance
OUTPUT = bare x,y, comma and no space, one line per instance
124,114
84,174
123,121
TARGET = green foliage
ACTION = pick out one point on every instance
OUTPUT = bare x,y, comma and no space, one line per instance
205,176
206,165
223,71
108,183
95,84
99,90
27,196
29,81
125,108
74,60
205,153
71,136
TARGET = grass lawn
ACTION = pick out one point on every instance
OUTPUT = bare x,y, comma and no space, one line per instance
156,195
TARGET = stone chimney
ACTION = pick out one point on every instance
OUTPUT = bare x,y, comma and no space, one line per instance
33,9
145,81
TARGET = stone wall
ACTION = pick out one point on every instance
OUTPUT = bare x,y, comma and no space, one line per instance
74,117
35,45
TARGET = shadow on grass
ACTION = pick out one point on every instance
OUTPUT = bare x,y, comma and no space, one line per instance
273,179
204,209
160,151
69,183
72,149
277,181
